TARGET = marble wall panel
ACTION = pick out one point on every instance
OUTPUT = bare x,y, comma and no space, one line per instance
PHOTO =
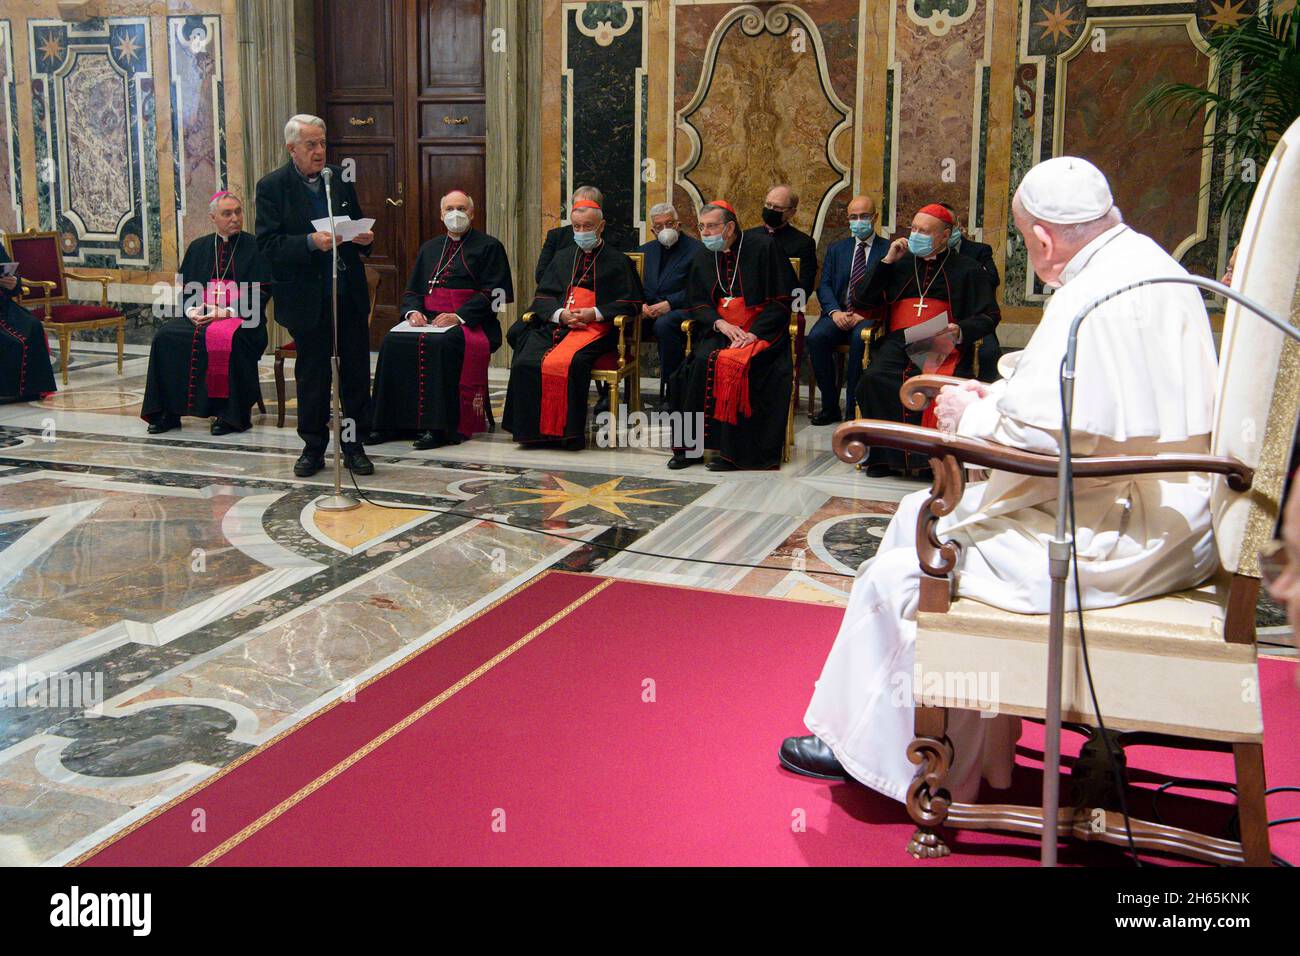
196,68
96,140
11,185
602,121
765,93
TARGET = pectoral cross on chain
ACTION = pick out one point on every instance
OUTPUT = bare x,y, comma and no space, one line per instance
569,305
920,306
727,300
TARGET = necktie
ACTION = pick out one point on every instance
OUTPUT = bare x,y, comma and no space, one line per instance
859,266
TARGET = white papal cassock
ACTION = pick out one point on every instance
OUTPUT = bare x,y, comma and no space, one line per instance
1146,374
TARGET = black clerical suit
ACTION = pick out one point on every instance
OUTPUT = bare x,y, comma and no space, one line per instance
795,244
990,349
300,273
25,369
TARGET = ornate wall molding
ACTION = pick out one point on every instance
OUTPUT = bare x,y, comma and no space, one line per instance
93,87
754,23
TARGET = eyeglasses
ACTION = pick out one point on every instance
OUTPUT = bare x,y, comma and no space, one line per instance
775,207
311,145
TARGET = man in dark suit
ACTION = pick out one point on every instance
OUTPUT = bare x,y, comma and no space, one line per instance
848,262
288,199
990,349
667,263
779,209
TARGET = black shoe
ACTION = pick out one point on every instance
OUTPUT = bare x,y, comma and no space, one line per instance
680,460
812,758
576,443
881,471
721,464
220,427
308,463
164,424
825,418
378,438
426,440
357,463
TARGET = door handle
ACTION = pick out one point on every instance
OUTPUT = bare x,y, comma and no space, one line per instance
395,202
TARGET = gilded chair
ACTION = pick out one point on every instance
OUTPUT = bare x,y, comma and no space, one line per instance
373,279
1178,670
44,286
624,363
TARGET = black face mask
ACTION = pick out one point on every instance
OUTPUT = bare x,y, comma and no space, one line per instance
773,217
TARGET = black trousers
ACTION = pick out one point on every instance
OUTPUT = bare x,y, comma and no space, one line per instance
311,371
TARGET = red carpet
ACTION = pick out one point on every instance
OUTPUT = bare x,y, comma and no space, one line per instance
550,756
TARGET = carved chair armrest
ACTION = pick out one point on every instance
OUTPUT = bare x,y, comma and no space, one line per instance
620,323
947,454
102,280
852,439
686,328
920,390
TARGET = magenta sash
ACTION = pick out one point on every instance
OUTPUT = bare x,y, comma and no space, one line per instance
219,337
474,369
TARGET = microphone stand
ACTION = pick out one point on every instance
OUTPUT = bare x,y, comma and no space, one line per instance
1060,547
337,501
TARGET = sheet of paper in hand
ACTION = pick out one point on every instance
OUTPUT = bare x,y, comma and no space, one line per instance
346,227
927,329
8,269
405,326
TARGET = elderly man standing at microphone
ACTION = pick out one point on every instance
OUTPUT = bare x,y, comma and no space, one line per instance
1146,380
288,200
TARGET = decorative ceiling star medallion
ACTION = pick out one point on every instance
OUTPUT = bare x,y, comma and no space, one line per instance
51,47
1057,23
1226,16
606,496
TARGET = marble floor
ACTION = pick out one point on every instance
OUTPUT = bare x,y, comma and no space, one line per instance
169,602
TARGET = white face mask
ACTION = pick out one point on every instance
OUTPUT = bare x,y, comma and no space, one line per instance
456,220
667,237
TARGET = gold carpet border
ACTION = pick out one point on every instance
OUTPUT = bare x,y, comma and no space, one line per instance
239,761
290,802
691,587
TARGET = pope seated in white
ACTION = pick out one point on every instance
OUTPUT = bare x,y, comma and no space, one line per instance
1145,385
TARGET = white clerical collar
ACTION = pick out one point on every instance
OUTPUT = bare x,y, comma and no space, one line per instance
1084,255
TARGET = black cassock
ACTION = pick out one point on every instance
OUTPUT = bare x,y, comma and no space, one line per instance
25,371
176,383
765,282
612,278
956,279
418,375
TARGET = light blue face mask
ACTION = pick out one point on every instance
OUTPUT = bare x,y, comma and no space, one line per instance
954,241
861,228
586,240
714,243
920,243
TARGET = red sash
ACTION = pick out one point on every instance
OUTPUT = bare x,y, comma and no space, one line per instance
555,366
903,314
473,370
731,366
219,336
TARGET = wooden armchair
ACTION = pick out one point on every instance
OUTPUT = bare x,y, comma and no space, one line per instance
373,279
1175,670
44,286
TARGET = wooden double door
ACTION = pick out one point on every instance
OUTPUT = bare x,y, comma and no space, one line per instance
400,85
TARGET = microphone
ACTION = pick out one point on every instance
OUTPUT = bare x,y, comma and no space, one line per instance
327,174
1060,547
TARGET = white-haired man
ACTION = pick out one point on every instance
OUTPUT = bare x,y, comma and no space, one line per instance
668,259
203,362
288,200
1146,379
431,379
